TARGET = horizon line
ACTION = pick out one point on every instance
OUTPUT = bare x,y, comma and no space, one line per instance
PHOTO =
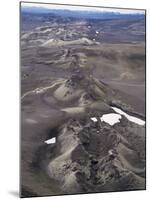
81,8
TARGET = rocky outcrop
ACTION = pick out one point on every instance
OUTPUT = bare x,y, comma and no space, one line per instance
93,157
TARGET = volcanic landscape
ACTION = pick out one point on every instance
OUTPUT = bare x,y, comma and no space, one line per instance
74,71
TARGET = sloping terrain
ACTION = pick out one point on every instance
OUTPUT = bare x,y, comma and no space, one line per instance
67,78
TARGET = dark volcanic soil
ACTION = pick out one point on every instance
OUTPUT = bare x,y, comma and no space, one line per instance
65,82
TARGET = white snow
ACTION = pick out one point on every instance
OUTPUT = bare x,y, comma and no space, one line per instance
51,141
94,119
129,117
111,118
97,32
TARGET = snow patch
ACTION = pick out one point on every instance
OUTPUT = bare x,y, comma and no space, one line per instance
111,118
51,141
129,117
94,119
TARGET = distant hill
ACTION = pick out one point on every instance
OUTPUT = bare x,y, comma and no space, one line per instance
80,14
